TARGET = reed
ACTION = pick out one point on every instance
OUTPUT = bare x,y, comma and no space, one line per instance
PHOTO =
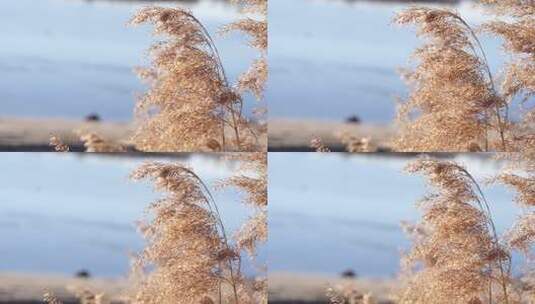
455,103
190,256
191,104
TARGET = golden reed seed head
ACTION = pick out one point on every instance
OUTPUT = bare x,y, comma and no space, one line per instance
450,94
456,257
190,105
454,103
188,257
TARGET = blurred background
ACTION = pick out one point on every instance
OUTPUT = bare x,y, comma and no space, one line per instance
74,215
331,59
338,215
75,58
334,66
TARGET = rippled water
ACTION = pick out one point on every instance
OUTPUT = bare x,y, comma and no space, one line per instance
60,213
329,213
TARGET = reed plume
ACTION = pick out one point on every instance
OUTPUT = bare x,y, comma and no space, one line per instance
455,103
191,105
347,293
190,258
92,143
457,256
519,176
186,240
254,80
251,180
84,296
518,82
452,103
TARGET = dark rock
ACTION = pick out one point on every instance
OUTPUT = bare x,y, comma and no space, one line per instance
350,274
92,117
84,274
353,119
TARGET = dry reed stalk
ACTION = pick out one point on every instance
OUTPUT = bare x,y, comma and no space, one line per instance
191,105
452,103
520,176
251,180
186,241
347,293
189,257
255,78
189,253
457,256
518,81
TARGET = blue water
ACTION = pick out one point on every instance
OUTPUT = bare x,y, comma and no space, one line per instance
65,58
332,212
60,213
333,59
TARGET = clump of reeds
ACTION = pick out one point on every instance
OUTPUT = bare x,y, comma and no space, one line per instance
455,103
254,80
92,143
251,180
84,296
58,144
518,81
191,104
354,144
347,293
317,144
457,255
190,258
351,143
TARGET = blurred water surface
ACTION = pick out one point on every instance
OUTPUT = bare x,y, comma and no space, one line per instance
60,213
70,58
332,212
333,59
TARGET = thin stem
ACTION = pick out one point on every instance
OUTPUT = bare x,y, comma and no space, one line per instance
501,123
486,208
221,70
210,201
